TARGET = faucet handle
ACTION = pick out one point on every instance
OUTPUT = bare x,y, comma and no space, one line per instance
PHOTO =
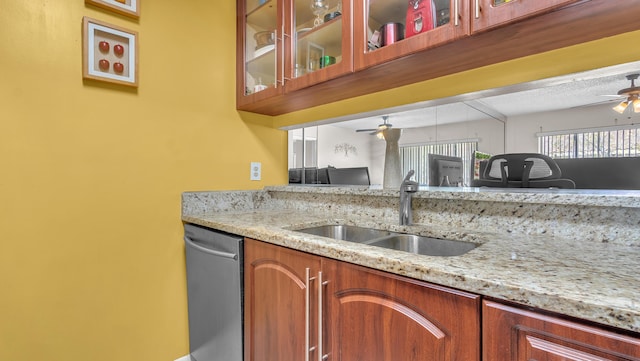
408,176
409,185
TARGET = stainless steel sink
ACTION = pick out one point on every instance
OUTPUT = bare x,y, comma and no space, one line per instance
346,233
424,245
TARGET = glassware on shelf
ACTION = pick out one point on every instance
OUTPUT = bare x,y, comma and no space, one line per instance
319,8
259,86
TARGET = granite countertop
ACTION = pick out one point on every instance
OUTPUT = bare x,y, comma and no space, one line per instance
595,281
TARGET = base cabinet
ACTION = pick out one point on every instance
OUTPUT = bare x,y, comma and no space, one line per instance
377,316
512,334
304,307
300,306
276,302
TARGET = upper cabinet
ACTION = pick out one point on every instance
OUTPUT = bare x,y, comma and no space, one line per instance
297,54
491,13
286,45
391,29
259,68
321,42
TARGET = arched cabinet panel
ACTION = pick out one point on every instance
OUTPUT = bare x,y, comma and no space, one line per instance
301,307
413,336
381,317
276,289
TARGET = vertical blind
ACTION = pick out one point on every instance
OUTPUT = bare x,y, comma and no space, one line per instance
622,142
415,157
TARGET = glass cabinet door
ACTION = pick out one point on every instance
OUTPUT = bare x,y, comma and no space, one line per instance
320,42
261,46
395,28
488,14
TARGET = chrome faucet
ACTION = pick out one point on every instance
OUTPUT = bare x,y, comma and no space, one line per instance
407,188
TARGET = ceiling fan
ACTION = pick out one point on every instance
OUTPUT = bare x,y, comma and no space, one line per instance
631,94
381,127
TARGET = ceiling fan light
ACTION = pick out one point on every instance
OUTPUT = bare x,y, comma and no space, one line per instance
636,105
380,135
620,108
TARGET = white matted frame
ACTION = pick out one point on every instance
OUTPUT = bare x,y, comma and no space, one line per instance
129,8
109,53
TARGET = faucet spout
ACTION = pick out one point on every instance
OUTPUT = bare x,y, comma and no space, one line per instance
407,188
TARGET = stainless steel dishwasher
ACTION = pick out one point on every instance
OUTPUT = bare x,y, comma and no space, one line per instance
214,290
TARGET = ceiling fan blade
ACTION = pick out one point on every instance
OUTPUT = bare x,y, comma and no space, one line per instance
596,103
366,130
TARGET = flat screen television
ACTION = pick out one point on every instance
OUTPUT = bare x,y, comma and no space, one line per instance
445,171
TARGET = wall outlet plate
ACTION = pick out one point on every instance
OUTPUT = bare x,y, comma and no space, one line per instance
256,171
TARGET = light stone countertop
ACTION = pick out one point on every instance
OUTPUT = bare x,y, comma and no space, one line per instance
596,281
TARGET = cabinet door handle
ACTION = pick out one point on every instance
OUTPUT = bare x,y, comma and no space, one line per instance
477,9
456,13
321,284
277,49
307,314
282,53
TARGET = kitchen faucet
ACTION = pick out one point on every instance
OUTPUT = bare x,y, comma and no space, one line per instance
407,188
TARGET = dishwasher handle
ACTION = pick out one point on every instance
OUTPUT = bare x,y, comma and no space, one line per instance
212,252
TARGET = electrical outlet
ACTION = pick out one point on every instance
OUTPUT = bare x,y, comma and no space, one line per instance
256,171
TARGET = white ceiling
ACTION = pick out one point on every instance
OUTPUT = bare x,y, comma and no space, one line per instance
570,91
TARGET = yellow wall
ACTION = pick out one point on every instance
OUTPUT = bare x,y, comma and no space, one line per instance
91,252
91,256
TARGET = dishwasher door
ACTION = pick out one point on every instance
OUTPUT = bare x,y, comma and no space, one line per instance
214,289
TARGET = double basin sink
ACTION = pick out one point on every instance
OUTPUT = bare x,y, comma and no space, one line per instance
412,243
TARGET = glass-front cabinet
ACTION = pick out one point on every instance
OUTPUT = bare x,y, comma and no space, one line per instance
259,65
321,42
291,44
391,29
285,46
491,13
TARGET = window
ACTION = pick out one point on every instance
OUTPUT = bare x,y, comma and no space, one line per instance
591,143
303,144
415,157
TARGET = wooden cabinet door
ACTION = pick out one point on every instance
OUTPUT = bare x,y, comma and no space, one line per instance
317,50
375,316
512,334
449,20
259,51
487,14
277,312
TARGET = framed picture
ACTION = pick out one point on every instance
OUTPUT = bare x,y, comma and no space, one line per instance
314,53
130,8
109,53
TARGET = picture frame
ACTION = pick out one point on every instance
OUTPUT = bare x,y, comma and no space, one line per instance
109,53
130,8
315,52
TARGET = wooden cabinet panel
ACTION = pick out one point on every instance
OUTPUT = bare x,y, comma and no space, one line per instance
376,316
487,14
519,335
455,27
276,288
